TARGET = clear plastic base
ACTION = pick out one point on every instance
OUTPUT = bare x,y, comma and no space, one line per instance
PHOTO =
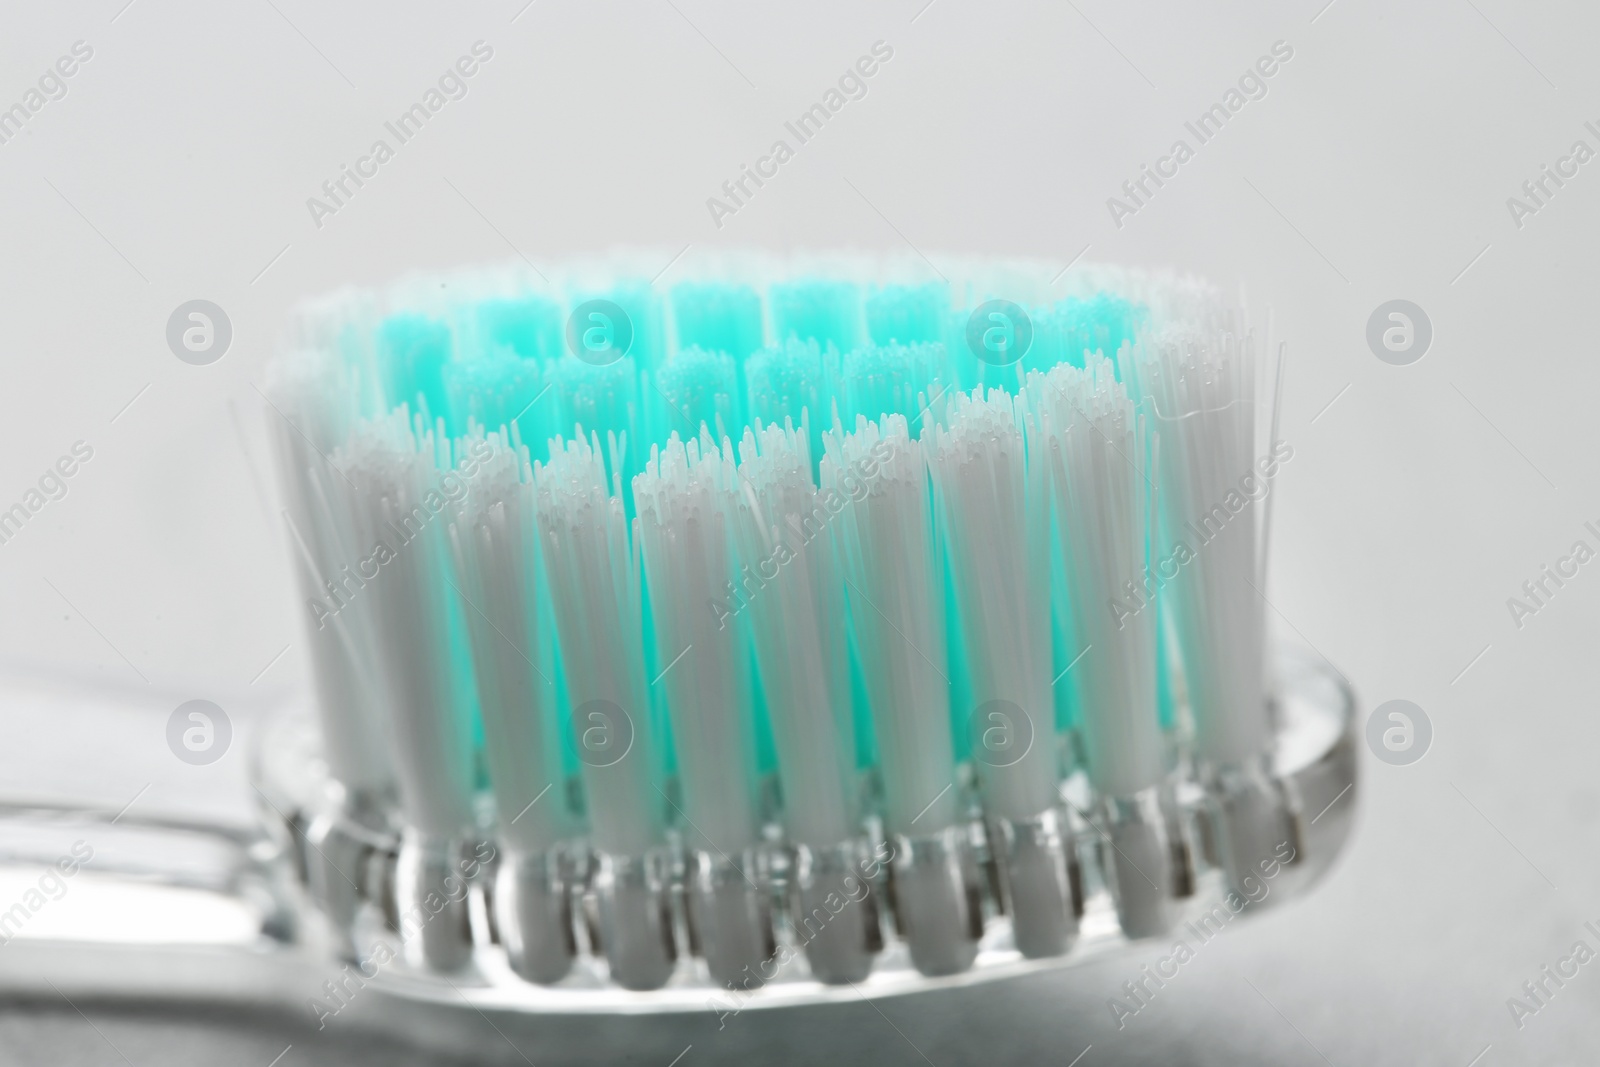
1311,774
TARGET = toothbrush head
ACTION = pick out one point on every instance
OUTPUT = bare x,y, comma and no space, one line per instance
788,629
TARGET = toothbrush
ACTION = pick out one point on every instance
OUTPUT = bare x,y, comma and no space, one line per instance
781,621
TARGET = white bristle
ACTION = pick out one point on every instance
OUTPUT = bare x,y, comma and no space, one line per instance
495,543
994,502
792,593
1102,491
397,503
682,531
897,607
341,664
303,418
593,573
1199,390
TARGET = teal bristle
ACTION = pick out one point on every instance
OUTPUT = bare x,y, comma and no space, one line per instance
827,312
603,399
893,379
697,388
908,314
1166,698
646,318
791,380
1062,651
1100,323
412,353
497,389
718,317
531,326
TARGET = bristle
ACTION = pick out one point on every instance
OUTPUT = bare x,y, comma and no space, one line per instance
993,499
495,547
602,398
793,382
682,531
825,311
886,532
718,318
791,595
413,350
1198,390
908,314
1102,487
595,591
323,548
893,380
496,389
696,388
398,496
530,325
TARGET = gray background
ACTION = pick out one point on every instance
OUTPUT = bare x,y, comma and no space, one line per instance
1377,167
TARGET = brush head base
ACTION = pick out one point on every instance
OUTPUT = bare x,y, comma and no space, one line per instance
933,883
1074,881
1137,853
730,906
1033,858
1251,820
432,895
835,912
633,919
533,914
